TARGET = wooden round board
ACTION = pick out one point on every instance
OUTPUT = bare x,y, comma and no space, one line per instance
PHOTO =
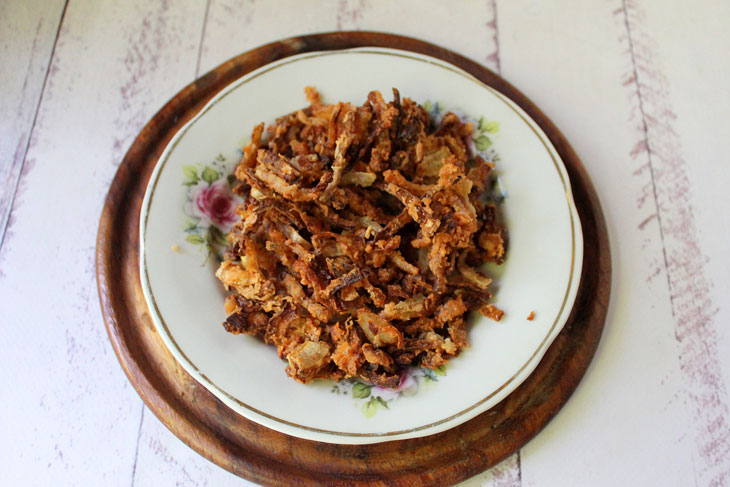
266,456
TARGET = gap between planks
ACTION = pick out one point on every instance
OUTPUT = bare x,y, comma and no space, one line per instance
5,219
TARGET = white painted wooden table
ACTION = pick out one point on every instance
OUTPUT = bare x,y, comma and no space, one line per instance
640,88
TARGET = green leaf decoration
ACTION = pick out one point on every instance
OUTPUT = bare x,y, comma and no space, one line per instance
190,171
361,391
441,370
383,402
194,238
487,126
483,124
483,143
210,175
215,236
209,248
428,106
191,175
220,158
370,408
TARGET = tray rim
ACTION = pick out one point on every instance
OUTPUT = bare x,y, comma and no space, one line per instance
192,429
347,437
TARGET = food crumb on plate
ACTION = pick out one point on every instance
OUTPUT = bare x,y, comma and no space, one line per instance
491,311
531,316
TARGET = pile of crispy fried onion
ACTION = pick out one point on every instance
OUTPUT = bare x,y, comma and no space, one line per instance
359,237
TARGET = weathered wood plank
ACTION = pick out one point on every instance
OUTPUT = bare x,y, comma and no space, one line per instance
600,78
165,460
75,418
669,56
27,33
234,27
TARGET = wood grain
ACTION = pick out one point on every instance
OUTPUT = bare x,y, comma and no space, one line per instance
683,262
72,417
601,114
29,31
266,456
233,28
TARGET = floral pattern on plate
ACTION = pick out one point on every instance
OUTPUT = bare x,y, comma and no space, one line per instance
371,398
210,205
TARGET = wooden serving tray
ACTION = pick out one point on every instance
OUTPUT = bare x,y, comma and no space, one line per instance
266,456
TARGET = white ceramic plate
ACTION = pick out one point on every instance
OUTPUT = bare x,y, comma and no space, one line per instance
541,274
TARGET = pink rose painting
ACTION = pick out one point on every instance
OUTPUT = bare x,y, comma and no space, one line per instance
407,386
211,205
214,204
